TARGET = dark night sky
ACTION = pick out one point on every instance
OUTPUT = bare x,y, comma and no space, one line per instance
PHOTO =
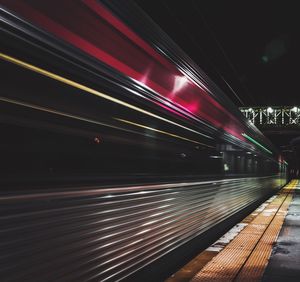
253,45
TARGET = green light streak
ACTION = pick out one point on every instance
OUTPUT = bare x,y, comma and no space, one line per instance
256,143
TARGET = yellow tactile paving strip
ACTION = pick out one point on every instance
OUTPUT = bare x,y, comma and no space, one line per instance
247,255
255,265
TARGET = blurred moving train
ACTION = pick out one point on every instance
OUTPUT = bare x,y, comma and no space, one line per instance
116,149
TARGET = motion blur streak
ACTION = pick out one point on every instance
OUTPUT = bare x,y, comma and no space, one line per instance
93,228
131,58
160,131
256,143
90,90
109,192
52,111
97,122
106,169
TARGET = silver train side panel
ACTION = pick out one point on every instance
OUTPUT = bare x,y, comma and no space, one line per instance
108,234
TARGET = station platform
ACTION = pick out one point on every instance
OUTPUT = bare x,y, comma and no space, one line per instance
265,246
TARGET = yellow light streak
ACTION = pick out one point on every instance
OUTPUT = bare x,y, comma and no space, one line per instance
90,90
161,131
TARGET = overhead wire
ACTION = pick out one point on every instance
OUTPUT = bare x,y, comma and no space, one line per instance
212,33
196,44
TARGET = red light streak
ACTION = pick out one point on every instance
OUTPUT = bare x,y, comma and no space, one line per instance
132,56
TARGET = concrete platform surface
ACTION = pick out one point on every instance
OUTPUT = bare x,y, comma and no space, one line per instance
284,264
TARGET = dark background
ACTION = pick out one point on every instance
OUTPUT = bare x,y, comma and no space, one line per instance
252,45
249,48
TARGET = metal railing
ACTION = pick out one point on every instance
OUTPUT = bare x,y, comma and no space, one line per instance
277,116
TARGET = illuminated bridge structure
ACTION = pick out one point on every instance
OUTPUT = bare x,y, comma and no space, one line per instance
273,117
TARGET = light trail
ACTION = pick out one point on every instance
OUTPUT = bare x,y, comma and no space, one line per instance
91,91
161,131
48,110
256,143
